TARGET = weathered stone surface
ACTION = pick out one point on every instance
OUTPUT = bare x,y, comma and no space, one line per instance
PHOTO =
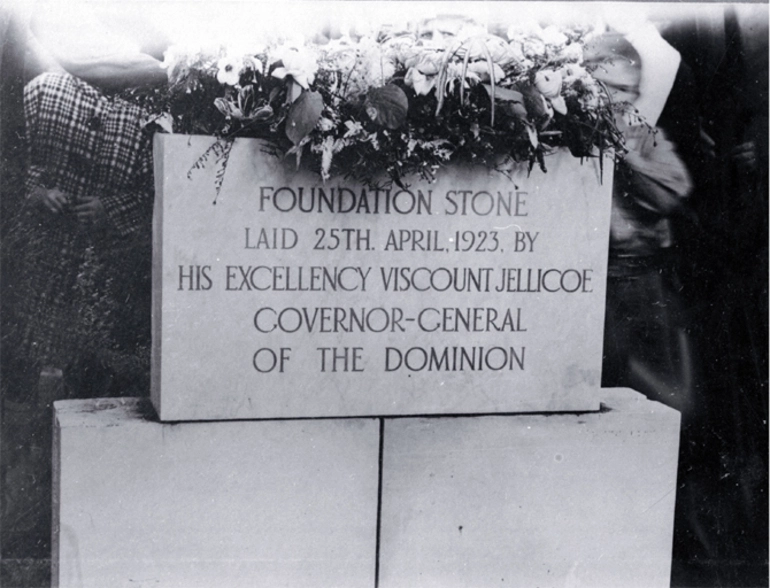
531,500
280,503
527,500
477,294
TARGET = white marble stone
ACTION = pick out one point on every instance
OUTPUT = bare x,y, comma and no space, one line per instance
139,503
562,500
227,273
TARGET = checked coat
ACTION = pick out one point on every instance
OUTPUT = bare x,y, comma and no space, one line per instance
83,290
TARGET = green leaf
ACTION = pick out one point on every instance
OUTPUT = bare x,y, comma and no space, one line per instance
294,91
512,101
532,133
246,99
304,116
536,105
164,120
223,106
387,106
263,114
504,94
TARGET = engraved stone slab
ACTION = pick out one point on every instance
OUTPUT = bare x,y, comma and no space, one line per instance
284,296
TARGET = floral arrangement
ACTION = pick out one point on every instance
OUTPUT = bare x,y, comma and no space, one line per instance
389,105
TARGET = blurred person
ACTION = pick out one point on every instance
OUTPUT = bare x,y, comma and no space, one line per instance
646,342
88,188
651,332
727,287
78,251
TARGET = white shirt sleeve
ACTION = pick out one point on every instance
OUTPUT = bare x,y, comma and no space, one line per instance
660,63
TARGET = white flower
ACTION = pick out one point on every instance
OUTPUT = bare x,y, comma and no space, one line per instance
548,82
172,55
399,47
548,110
229,71
362,65
427,61
341,53
559,104
573,72
325,124
327,153
176,62
573,52
533,47
421,83
354,128
497,48
360,29
501,51
516,49
551,35
423,70
513,32
590,101
380,68
299,63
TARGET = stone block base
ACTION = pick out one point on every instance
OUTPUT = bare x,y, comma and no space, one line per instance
531,500
241,503
578,499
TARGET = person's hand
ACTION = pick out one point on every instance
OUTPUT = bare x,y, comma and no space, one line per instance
745,156
89,210
52,199
634,136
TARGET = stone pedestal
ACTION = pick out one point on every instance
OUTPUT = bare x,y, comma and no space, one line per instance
568,499
143,504
531,500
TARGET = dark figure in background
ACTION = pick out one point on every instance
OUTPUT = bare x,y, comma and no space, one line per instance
78,252
646,342
713,287
725,282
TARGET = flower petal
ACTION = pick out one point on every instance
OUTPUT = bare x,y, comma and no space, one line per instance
559,105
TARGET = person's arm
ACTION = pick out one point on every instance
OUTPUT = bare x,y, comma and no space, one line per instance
46,105
116,71
659,60
91,50
660,63
126,210
35,176
659,176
